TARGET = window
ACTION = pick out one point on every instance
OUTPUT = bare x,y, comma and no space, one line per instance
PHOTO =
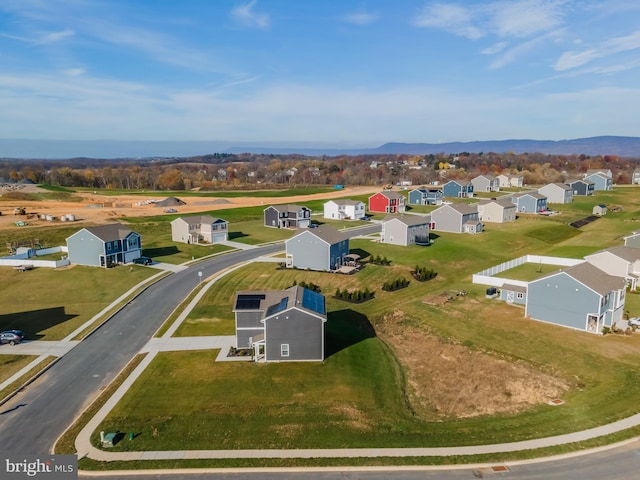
284,350
519,295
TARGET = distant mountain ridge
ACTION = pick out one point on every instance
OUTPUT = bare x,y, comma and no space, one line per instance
121,149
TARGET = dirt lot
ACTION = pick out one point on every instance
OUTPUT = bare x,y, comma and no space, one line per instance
449,380
103,209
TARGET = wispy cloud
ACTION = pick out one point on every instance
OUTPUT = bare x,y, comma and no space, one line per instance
248,17
573,59
506,19
360,18
55,37
452,18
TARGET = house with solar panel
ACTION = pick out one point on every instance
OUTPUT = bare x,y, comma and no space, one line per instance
281,325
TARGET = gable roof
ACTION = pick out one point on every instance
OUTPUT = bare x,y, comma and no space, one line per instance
558,185
390,194
110,232
290,207
462,208
409,220
581,180
346,201
272,302
503,202
200,219
592,277
487,176
629,254
536,195
326,233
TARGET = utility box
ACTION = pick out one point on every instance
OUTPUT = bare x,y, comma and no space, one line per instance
492,292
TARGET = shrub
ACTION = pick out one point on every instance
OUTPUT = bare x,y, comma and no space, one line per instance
422,274
355,296
396,284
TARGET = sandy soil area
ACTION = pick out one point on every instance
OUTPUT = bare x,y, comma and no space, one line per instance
99,209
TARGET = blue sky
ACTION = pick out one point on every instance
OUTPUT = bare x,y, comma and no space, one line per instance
318,73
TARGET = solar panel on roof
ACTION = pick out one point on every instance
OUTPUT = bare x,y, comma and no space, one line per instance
313,301
249,302
277,307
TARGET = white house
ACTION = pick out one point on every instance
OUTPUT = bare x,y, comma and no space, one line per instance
344,209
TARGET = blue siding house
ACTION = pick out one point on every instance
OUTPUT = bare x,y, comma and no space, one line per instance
530,202
323,248
458,189
104,246
600,181
425,196
582,297
582,187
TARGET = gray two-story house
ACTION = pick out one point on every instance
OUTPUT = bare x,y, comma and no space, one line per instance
323,248
281,325
557,193
485,183
405,230
287,216
104,246
582,187
581,297
456,218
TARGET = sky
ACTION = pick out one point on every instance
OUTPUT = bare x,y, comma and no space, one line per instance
318,73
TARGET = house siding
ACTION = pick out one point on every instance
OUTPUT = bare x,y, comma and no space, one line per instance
562,300
85,248
304,333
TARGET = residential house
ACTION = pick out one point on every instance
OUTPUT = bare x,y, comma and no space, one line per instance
104,245
496,211
387,202
618,261
405,230
600,180
604,171
557,193
323,248
199,229
281,325
581,297
529,202
287,216
425,196
485,183
507,180
599,210
582,187
635,177
458,189
456,218
344,209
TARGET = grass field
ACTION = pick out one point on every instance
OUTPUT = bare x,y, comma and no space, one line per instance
341,404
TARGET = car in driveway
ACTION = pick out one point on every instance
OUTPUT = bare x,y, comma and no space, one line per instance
634,322
11,337
143,261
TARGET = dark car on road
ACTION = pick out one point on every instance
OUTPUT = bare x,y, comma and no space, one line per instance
143,261
11,337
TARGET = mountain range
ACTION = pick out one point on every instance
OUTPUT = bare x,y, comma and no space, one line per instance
112,149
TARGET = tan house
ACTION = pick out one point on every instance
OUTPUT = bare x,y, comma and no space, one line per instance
199,229
497,211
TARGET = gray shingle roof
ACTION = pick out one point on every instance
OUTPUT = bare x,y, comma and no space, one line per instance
594,278
201,219
326,233
409,220
111,232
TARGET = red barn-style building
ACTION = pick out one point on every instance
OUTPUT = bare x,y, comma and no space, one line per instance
387,202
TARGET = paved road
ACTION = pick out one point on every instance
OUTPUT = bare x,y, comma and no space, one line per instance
31,422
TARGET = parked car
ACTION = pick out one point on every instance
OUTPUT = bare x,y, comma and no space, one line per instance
11,337
635,321
143,261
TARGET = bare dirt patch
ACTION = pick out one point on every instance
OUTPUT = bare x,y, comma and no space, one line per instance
450,380
99,209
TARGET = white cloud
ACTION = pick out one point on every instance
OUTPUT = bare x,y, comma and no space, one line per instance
449,17
56,36
495,48
573,59
524,18
360,18
246,16
75,72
